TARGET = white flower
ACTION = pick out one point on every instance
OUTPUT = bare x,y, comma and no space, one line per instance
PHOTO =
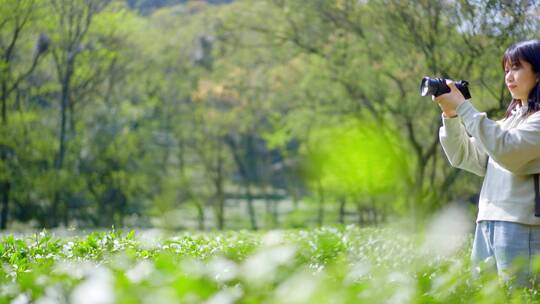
53,295
22,298
358,272
226,296
193,267
161,295
222,270
262,266
67,252
447,232
299,288
76,270
272,238
96,289
150,239
140,271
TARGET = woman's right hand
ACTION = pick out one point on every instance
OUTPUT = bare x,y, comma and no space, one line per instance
448,113
450,101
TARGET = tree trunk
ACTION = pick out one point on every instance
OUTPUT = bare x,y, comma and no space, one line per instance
417,198
51,221
220,198
200,215
59,161
291,190
275,213
243,168
271,206
250,208
221,212
268,209
294,200
320,192
4,104
342,203
374,213
5,185
361,212
64,104
65,214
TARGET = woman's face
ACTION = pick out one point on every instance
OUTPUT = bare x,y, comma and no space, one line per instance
520,79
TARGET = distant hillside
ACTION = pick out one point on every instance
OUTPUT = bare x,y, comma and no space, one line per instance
148,6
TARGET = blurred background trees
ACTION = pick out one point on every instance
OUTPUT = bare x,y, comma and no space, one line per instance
238,114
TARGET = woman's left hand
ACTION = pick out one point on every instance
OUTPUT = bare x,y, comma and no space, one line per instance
450,101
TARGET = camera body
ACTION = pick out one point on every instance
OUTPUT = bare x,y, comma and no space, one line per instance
437,86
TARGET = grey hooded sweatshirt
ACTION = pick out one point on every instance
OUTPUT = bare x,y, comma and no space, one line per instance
505,152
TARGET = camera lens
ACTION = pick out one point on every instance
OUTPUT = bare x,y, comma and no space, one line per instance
437,87
424,86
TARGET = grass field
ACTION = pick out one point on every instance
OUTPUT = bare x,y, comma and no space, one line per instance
325,265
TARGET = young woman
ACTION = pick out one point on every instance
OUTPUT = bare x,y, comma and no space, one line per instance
507,154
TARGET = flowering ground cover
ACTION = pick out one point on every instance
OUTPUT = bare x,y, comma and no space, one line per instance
325,265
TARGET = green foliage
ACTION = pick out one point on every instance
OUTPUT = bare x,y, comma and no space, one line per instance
171,113
358,158
327,265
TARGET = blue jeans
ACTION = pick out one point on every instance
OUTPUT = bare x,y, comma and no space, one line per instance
505,242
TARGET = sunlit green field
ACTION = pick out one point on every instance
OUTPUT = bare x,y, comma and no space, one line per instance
326,265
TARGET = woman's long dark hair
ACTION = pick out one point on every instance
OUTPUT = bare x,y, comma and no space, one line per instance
530,52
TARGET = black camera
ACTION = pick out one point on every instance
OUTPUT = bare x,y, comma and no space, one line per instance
437,86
